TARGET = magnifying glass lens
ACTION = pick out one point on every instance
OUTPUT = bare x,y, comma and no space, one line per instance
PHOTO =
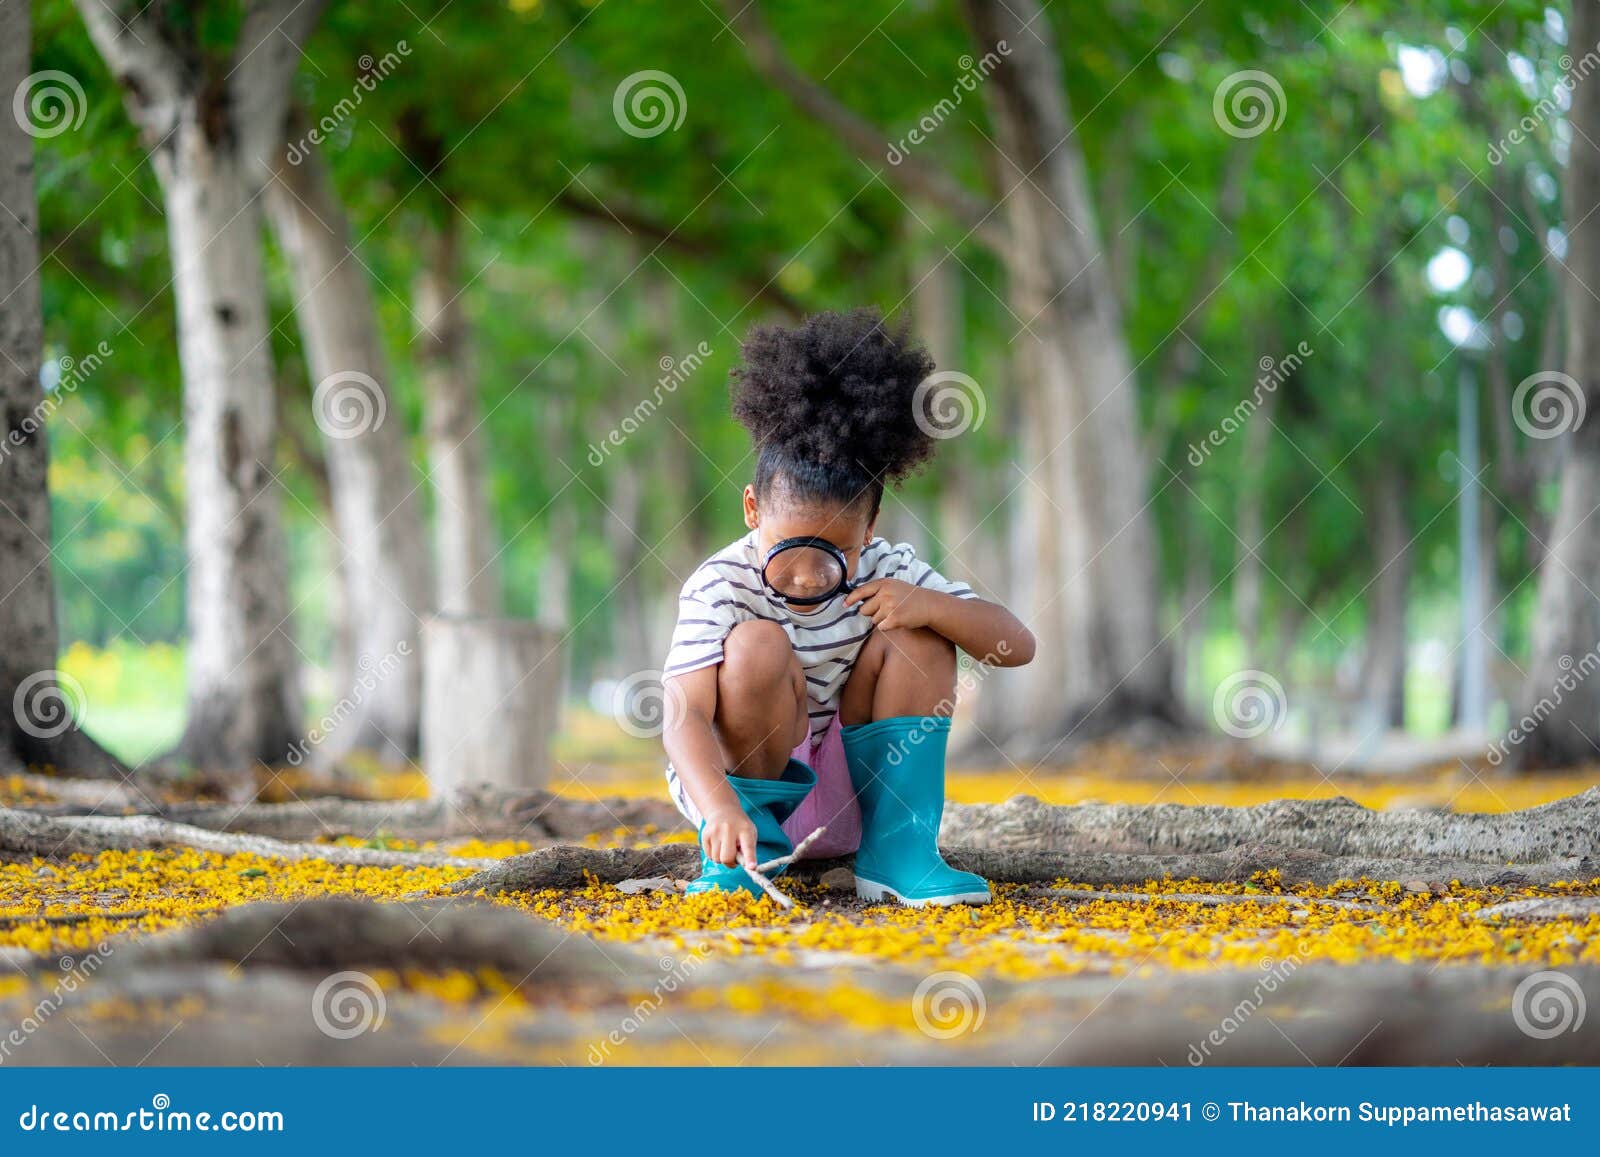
804,573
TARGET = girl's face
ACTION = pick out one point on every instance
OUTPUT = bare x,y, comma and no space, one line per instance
848,529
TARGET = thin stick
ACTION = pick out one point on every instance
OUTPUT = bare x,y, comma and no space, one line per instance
758,873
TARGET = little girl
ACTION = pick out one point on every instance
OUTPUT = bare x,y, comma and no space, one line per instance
812,671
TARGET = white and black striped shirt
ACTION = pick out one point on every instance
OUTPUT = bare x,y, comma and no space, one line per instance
727,590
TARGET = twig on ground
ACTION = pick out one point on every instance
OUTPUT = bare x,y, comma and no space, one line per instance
758,873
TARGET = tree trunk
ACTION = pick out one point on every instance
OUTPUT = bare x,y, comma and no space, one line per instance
635,579
37,723
490,690
210,144
1248,581
1384,674
377,518
1096,588
1563,690
464,537
243,696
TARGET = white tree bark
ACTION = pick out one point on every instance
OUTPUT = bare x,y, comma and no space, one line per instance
1384,665
490,703
1563,691
210,145
464,537
376,511
36,721
1088,475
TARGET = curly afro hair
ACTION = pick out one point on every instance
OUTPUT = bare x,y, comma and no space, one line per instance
829,406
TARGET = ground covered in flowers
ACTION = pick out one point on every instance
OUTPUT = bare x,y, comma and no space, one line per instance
1251,971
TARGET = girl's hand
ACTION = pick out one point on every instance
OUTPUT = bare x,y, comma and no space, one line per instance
893,603
729,838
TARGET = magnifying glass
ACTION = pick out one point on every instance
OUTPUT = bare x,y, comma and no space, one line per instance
806,571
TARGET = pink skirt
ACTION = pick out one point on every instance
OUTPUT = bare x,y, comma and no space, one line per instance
831,804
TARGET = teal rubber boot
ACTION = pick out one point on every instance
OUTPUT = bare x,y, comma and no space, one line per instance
897,768
768,802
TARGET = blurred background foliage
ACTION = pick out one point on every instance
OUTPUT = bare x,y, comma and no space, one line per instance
1373,225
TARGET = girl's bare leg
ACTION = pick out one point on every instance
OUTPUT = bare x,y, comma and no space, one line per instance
901,672
761,700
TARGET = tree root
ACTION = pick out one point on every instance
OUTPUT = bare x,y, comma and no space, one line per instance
27,834
525,815
1543,908
567,866
1297,866
339,933
85,796
1335,827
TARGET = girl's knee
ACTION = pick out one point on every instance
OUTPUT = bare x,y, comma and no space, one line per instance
758,654
922,647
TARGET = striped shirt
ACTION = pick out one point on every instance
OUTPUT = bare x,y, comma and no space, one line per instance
727,590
